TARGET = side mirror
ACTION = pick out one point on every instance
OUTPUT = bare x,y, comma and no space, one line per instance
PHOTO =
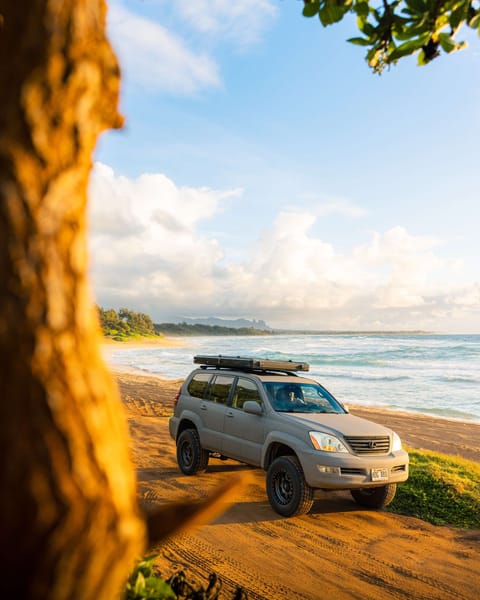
253,408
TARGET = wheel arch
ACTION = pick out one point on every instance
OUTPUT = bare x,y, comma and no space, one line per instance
275,450
184,424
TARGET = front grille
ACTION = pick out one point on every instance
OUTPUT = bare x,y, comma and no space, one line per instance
369,445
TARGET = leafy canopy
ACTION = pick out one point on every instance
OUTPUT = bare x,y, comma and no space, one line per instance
125,324
392,30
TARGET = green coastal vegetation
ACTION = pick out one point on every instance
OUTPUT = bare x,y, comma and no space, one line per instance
185,329
442,490
126,325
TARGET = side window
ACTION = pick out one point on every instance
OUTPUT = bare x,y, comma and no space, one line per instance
245,390
198,385
220,389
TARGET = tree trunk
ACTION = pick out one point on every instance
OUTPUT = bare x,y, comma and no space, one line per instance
69,523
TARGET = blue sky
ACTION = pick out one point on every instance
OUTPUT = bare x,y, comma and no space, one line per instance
264,172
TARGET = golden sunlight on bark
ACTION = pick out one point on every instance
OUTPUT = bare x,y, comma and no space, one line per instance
70,527
69,522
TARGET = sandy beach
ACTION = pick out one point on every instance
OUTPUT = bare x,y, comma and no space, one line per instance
338,550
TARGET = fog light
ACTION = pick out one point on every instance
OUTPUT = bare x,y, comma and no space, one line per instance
332,470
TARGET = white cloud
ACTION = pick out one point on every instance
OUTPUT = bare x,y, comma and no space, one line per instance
410,263
469,296
147,253
161,59
155,57
323,206
341,207
144,242
241,21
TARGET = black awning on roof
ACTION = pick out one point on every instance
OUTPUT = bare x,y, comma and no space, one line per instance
245,362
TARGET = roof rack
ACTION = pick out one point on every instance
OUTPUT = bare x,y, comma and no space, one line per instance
249,363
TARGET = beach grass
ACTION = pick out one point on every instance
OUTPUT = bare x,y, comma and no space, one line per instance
147,583
121,336
441,489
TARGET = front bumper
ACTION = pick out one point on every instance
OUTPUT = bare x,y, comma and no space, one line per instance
333,471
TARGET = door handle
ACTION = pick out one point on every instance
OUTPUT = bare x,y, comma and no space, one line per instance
203,407
230,413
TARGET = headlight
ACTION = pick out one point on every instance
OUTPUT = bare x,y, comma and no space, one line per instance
326,442
396,443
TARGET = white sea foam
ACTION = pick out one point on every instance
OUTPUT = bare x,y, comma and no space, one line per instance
432,374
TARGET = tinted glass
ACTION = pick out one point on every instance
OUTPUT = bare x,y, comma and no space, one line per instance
220,389
245,390
198,385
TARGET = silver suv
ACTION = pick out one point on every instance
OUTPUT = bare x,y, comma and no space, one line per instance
263,413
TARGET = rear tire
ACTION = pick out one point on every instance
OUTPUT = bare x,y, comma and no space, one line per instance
191,457
288,492
376,497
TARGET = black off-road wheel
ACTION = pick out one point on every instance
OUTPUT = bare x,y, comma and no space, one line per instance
375,497
288,492
191,457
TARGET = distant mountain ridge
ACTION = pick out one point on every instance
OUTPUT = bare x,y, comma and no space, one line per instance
233,323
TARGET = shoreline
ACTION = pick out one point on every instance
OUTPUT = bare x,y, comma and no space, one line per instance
124,369
146,342
111,348
417,431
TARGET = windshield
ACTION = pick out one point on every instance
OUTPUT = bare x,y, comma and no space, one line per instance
301,398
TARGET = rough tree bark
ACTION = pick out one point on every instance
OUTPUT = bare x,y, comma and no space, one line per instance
69,522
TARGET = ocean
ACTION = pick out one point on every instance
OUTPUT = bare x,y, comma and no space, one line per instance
430,374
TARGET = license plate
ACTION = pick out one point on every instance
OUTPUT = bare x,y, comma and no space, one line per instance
379,474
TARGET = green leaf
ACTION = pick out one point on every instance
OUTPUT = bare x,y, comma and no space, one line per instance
421,62
331,13
365,27
407,48
447,42
311,9
407,33
361,8
440,23
358,41
373,57
474,22
139,584
458,15
417,6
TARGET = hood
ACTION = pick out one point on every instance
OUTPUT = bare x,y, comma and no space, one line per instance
339,424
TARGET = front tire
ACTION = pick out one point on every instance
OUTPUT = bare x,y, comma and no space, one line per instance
376,497
288,492
191,457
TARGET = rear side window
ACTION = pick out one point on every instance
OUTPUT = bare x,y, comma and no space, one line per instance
245,390
198,385
220,389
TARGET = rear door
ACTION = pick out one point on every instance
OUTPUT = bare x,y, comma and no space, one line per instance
244,433
212,411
